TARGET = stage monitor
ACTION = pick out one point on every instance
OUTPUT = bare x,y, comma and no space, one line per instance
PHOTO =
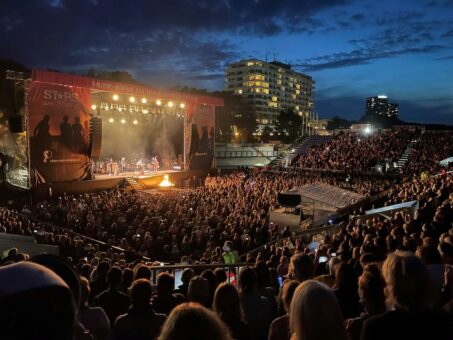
289,199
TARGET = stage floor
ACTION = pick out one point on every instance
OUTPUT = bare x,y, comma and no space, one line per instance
136,174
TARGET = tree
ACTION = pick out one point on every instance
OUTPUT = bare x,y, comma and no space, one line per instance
338,123
289,126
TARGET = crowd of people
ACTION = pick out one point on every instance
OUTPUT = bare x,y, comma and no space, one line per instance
370,278
358,151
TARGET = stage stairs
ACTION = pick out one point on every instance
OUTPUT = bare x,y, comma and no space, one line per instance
133,184
407,154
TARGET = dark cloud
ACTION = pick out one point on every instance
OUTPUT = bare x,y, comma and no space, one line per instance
448,34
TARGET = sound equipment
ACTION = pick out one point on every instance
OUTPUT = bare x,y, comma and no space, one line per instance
95,138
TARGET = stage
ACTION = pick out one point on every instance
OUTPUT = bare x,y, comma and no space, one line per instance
148,181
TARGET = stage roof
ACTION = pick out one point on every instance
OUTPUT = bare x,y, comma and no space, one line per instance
327,194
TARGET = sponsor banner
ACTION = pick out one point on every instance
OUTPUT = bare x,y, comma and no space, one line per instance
200,126
59,122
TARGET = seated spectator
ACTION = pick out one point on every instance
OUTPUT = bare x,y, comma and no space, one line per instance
257,308
346,291
93,319
371,292
228,306
199,291
191,321
301,268
409,291
140,322
112,300
99,281
165,299
221,275
280,327
36,303
315,313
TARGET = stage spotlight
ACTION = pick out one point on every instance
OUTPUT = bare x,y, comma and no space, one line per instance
132,99
135,122
115,97
170,104
93,107
123,121
158,102
145,111
111,120
182,105
144,101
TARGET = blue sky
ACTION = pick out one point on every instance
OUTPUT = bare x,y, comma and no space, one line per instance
353,49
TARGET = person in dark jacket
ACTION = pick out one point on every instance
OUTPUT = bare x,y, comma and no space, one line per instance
141,321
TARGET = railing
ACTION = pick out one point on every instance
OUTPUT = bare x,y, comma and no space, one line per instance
308,232
176,270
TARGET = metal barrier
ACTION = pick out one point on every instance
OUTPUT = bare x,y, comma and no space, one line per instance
231,269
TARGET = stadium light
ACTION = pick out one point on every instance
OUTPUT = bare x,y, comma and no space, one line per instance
144,101
367,130
115,97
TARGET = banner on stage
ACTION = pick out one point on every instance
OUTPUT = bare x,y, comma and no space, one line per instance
200,126
59,132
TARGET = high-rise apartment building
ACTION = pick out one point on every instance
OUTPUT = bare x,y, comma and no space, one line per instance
379,106
270,88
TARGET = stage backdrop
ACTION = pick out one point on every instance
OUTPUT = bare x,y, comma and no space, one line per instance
59,132
200,135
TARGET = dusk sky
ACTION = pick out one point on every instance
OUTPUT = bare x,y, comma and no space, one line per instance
353,49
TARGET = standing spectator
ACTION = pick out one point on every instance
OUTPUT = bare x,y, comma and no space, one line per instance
165,300
280,329
409,291
371,292
315,313
227,305
140,322
257,308
346,291
93,319
301,268
112,300
99,282
191,321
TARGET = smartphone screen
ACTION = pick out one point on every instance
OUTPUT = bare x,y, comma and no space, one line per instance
280,280
322,259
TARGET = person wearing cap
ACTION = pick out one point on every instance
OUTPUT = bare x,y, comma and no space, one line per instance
36,303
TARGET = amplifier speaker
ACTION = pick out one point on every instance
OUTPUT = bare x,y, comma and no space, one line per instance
95,138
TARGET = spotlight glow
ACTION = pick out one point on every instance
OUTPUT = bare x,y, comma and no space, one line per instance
145,111
132,99
135,122
115,97
182,105
166,182
367,130
111,120
170,104
158,102
123,121
93,107
144,101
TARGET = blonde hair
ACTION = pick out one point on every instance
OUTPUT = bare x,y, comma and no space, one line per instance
191,321
409,285
315,313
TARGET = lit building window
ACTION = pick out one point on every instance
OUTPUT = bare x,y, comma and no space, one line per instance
274,98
